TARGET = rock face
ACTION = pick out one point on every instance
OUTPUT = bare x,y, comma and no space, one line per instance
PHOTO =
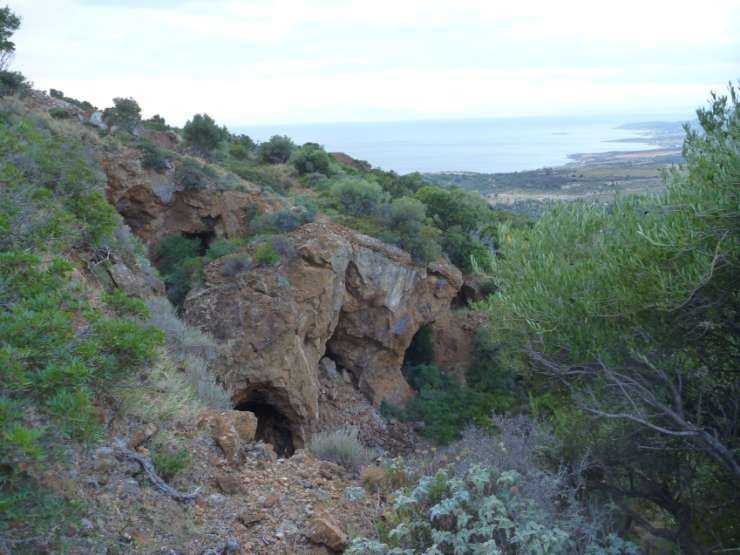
338,294
155,206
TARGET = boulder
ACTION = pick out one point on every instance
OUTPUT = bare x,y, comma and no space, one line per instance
231,430
341,294
323,530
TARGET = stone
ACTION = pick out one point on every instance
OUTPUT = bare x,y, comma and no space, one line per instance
250,518
142,435
215,500
329,368
350,296
231,430
96,120
228,484
323,530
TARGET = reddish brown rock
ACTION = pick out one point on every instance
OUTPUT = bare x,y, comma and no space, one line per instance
341,294
231,429
324,531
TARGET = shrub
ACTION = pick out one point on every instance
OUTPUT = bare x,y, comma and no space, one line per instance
13,82
277,150
58,113
170,462
125,113
241,147
202,134
221,247
265,255
284,220
341,446
310,158
235,265
179,262
156,122
357,197
480,512
445,406
193,176
124,305
153,157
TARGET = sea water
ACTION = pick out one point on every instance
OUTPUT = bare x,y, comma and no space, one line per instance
480,145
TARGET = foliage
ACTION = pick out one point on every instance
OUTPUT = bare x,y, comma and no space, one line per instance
480,512
265,254
193,176
277,150
59,113
357,197
635,309
125,113
179,262
202,134
310,158
156,122
12,82
9,24
284,220
122,304
445,406
170,462
153,157
341,446
241,147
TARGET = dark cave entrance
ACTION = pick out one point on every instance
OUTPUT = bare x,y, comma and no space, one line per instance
273,426
204,240
421,349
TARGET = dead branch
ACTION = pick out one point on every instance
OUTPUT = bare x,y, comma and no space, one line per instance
123,453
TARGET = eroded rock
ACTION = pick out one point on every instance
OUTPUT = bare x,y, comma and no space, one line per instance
342,294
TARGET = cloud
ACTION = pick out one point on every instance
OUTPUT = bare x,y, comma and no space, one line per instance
311,60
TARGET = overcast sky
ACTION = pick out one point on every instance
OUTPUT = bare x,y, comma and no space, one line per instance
250,61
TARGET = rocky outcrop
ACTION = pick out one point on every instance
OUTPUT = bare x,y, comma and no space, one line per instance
454,337
155,206
336,293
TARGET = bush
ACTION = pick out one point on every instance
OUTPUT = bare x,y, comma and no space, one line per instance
357,197
156,122
221,247
277,150
241,147
202,134
153,157
284,220
13,82
126,114
444,406
310,158
170,462
235,265
341,446
265,255
480,512
194,176
179,262
59,113
124,305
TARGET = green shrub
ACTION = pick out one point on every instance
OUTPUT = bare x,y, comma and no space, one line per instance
284,220
123,304
59,113
194,176
357,197
125,113
241,147
153,157
156,122
202,134
444,406
341,446
480,512
179,262
277,150
221,247
170,462
13,82
310,158
265,255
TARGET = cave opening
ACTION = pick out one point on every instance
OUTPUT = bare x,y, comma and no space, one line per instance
421,349
204,238
273,426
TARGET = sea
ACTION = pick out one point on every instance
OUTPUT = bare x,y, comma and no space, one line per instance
471,145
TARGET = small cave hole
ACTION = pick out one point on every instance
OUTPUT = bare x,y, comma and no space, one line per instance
204,240
273,426
421,349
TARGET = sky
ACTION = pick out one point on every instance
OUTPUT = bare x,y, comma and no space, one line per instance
252,62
